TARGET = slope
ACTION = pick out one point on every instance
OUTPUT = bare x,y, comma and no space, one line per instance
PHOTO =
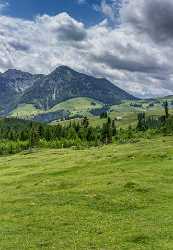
115,197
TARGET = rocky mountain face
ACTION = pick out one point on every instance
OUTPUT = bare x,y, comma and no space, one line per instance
19,80
45,91
8,95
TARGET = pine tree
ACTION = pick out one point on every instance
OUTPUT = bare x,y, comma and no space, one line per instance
130,132
114,129
85,122
166,106
106,133
141,126
34,137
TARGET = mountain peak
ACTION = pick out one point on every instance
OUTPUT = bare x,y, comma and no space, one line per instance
13,74
19,80
13,71
62,68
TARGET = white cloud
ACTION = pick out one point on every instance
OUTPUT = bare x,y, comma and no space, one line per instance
109,9
128,55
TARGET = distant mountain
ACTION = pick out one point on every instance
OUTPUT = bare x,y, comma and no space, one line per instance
13,84
8,95
65,83
45,91
19,80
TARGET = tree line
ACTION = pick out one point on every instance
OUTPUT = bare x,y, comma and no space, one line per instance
17,134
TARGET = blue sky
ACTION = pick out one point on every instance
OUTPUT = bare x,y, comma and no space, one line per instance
28,9
39,35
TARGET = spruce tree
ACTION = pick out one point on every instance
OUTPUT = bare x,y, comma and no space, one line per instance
114,129
166,106
85,122
141,126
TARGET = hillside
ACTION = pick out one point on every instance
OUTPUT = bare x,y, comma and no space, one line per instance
101,198
84,106
24,111
73,107
78,104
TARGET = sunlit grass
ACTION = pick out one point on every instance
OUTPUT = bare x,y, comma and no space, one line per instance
113,197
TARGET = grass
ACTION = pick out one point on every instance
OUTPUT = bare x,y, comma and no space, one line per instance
79,104
82,106
127,113
25,110
117,197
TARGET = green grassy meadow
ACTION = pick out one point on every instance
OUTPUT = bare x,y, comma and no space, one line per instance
80,106
116,197
25,110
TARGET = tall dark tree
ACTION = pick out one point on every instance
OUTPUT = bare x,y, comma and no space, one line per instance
166,107
85,122
106,132
141,126
34,137
114,129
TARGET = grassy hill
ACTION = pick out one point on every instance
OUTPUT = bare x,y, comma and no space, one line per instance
117,197
83,106
25,110
128,113
80,106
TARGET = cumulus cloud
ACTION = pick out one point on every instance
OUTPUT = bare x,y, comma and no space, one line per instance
65,27
136,55
153,17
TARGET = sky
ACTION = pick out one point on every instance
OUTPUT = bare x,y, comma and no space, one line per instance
129,42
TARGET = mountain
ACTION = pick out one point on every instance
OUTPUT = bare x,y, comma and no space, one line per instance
8,95
65,83
19,80
46,91
13,84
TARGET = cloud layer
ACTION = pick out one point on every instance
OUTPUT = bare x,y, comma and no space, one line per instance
136,54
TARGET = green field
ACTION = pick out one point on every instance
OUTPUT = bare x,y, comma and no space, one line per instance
82,106
79,104
25,110
116,197
127,113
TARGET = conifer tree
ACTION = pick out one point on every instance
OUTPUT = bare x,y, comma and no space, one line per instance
141,122
166,106
114,129
85,122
